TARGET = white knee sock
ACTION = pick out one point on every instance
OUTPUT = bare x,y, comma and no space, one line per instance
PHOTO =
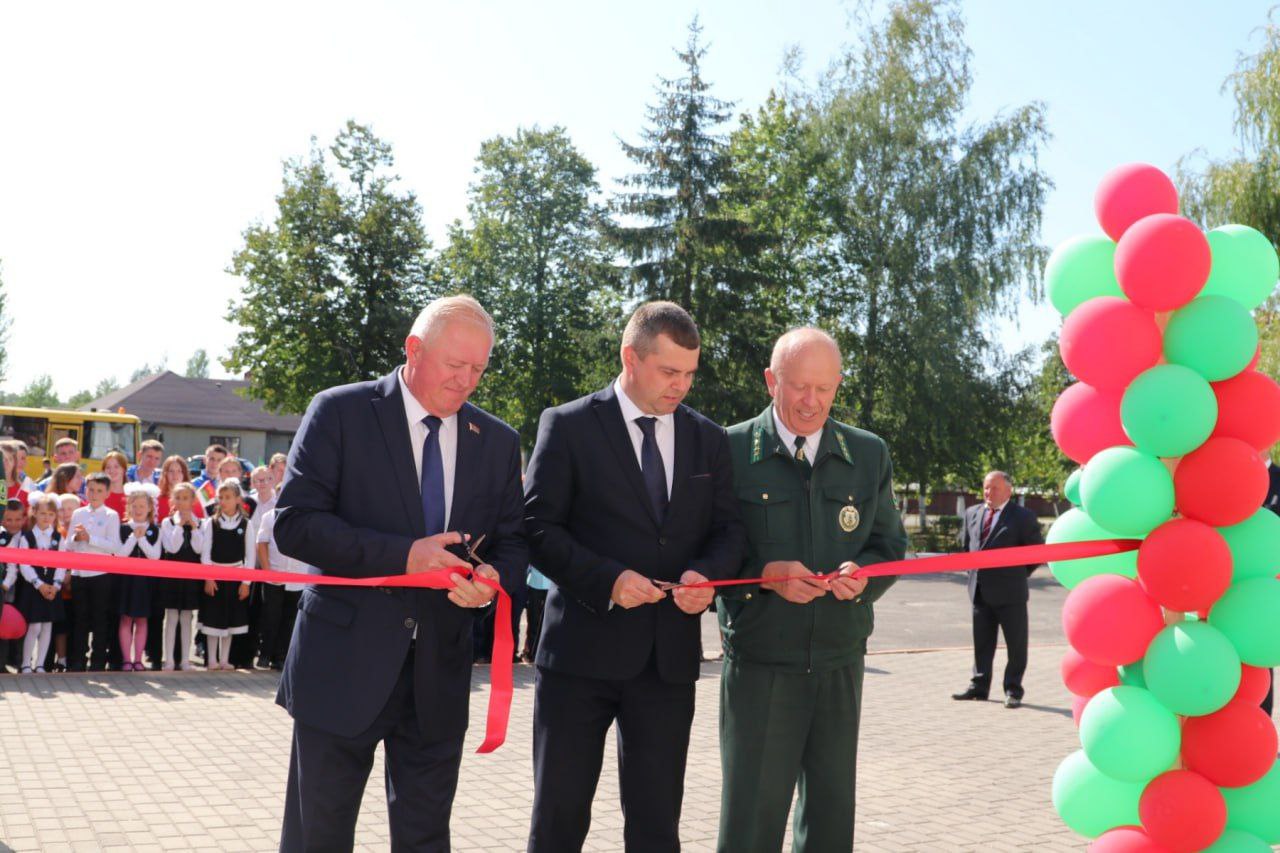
170,634
224,650
184,633
45,640
29,643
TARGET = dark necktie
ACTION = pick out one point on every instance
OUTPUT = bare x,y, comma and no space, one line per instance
986,525
432,478
655,473
800,449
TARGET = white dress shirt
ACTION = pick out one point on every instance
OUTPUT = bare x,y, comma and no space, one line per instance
250,540
414,413
788,437
995,518
279,562
171,536
103,526
44,542
664,433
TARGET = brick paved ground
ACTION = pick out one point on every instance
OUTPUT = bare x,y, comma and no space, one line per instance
180,761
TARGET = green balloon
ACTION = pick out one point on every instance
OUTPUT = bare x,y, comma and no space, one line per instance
1255,546
1129,735
1192,668
1132,675
1247,614
1168,410
1245,267
1256,808
1075,525
1213,335
1072,487
1127,491
1236,841
1089,801
1079,269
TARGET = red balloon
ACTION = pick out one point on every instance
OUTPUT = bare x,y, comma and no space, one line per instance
1125,839
1085,678
1107,341
1185,565
1249,409
1085,421
1233,747
1078,704
1222,482
1131,192
1183,811
1110,620
13,625
1255,684
1162,262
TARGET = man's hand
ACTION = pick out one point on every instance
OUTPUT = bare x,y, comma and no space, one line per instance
428,553
846,587
470,593
633,589
800,591
693,601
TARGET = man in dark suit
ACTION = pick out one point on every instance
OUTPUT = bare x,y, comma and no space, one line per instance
384,478
626,487
999,596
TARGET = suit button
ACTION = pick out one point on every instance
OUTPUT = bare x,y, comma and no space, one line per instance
662,540
410,622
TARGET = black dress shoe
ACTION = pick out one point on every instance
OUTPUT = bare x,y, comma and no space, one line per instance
1012,701
970,694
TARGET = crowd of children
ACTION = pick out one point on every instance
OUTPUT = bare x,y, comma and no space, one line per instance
85,620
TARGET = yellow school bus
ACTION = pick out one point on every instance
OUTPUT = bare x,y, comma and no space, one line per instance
97,433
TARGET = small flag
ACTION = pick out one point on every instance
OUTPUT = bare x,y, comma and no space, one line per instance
473,428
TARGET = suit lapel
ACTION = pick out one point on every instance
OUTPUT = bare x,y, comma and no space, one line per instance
975,528
685,439
610,415
466,465
388,408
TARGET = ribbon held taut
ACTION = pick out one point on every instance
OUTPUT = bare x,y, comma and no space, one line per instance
500,677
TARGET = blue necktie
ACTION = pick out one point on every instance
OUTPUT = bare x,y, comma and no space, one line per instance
432,478
655,473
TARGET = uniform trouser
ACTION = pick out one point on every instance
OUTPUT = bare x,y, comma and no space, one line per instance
779,730
93,603
275,619
1014,621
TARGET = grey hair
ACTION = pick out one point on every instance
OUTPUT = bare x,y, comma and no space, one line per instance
440,312
798,339
1002,475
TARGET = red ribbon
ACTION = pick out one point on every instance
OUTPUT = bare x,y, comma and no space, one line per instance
503,645
500,675
996,558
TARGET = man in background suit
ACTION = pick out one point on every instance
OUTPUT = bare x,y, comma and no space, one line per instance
625,487
999,596
383,478
1272,503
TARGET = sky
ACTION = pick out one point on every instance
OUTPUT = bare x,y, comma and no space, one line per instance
137,141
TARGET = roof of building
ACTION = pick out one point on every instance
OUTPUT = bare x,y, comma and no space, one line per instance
167,398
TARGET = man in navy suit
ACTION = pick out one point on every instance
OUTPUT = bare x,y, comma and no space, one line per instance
999,596
626,488
384,478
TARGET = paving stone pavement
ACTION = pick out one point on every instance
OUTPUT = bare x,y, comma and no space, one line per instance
195,760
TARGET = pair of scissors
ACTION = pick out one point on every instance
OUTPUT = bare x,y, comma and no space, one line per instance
471,548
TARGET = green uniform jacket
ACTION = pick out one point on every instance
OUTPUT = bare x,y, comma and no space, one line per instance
794,512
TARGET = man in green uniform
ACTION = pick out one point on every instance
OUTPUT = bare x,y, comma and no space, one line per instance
816,495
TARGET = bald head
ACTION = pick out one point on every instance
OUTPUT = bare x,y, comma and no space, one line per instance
799,342
803,378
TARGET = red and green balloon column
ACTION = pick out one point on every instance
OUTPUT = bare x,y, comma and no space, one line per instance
1171,424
